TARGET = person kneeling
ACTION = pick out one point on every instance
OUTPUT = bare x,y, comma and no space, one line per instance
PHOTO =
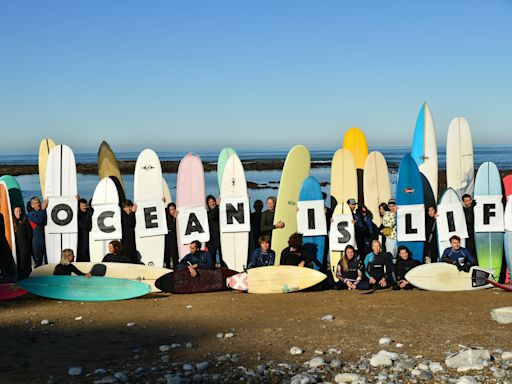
404,263
350,271
196,259
458,256
262,256
379,267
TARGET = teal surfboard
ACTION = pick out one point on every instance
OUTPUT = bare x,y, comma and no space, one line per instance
221,162
14,192
80,288
489,245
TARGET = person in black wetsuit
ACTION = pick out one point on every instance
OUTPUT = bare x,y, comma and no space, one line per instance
431,250
468,205
23,235
128,226
262,256
65,267
84,228
350,271
213,222
196,259
115,253
37,218
379,267
267,219
293,254
171,241
404,263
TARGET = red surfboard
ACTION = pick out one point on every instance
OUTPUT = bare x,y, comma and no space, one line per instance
10,291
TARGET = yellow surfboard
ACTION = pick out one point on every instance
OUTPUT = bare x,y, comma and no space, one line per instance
295,170
355,142
343,187
377,187
107,163
45,147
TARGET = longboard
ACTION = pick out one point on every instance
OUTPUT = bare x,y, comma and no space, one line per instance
136,272
409,191
224,155
377,186
61,181
507,236
275,279
207,280
355,141
234,244
7,214
460,168
10,291
343,187
108,167
311,190
80,288
489,245
295,170
424,147
446,277
45,147
449,196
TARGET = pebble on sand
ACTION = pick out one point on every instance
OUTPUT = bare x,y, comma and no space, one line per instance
385,341
130,324
347,378
295,351
78,318
75,371
164,348
328,318
45,322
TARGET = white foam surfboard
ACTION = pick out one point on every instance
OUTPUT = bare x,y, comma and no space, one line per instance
460,168
377,187
60,182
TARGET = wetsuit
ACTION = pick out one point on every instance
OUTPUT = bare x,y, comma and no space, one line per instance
84,228
379,266
23,235
431,249
128,241
260,258
461,258
401,268
116,258
289,257
267,223
202,259
470,224
353,274
61,269
171,243
214,243
38,221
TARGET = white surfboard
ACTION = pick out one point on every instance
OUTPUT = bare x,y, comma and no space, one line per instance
148,186
105,193
167,192
449,196
446,277
60,182
377,187
137,272
234,245
460,168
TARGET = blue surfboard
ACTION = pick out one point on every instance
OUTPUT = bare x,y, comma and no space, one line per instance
409,191
80,288
315,245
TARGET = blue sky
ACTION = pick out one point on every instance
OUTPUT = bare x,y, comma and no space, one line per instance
250,74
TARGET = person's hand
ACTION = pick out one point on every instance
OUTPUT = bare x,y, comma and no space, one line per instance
382,282
134,208
45,204
302,263
403,283
372,280
88,275
351,285
77,197
280,224
218,200
353,221
192,270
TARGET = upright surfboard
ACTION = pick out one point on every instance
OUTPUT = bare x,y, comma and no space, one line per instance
377,187
409,191
105,193
108,167
14,199
7,213
15,195
60,182
449,196
295,170
234,244
135,272
489,245
343,187
45,147
147,185
460,168
224,155
80,288
311,190
275,279
446,277
507,237
424,147
355,142
190,190
167,192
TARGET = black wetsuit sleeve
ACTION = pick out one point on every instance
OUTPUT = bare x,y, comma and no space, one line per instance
75,270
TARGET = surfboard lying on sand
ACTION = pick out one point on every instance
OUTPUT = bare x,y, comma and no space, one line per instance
446,277
275,279
207,280
10,291
506,287
135,272
80,288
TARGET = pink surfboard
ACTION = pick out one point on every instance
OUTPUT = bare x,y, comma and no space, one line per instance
10,291
190,190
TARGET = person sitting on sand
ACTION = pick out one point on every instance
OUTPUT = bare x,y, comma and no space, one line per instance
196,259
458,256
379,267
262,256
350,271
267,218
65,267
293,254
404,263
115,253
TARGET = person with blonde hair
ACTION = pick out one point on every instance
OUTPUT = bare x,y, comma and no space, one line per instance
65,267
